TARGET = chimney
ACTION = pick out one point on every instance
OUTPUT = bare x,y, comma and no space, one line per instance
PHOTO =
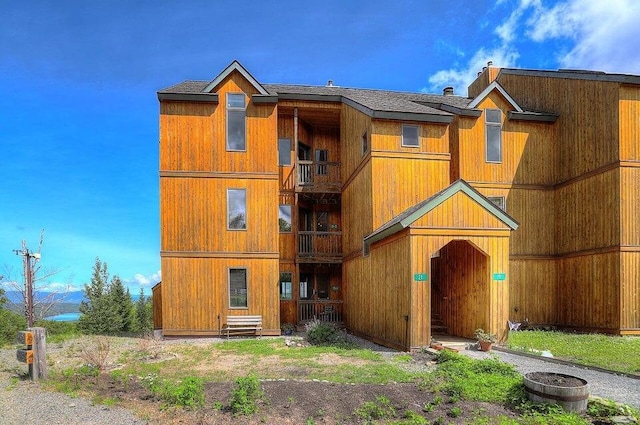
447,91
490,63
330,83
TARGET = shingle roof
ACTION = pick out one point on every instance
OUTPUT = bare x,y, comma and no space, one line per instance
374,100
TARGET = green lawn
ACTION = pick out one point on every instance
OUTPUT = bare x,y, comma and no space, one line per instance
617,353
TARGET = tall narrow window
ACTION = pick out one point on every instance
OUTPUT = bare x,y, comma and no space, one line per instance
286,286
322,223
365,143
284,151
238,288
322,157
410,136
284,219
236,209
236,122
493,134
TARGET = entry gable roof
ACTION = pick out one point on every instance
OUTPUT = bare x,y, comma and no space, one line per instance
235,66
410,215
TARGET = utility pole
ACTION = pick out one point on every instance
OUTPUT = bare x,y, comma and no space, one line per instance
27,257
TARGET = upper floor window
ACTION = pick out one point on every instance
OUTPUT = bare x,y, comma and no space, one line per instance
286,286
236,122
499,201
493,135
236,209
284,151
365,143
410,136
284,219
322,157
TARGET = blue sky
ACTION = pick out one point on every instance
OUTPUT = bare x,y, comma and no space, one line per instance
78,82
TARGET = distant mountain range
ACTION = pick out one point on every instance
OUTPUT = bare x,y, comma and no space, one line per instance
72,297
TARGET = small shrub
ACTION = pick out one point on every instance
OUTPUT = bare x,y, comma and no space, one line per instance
245,396
96,353
187,393
374,410
455,412
324,333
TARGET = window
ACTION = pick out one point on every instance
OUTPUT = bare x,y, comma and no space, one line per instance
284,220
499,201
493,134
306,288
238,288
322,223
236,122
286,286
322,157
410,136
365,143
322,280
236,209
284,151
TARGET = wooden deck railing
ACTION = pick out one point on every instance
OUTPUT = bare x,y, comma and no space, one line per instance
319,176
323,310
320,244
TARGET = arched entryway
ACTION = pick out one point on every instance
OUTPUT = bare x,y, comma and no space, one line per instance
460,293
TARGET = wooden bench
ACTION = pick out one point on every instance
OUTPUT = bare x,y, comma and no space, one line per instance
243,324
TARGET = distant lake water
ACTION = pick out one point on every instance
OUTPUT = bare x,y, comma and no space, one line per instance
65,317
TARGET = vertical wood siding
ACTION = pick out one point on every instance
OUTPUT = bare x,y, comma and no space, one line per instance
199,293
533,293
630,292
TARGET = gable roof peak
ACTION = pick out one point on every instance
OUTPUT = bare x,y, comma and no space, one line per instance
491,87
235,66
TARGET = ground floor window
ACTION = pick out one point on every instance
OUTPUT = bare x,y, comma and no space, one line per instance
238,288
286,286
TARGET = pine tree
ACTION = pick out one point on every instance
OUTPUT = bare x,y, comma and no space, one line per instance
121,300
103,312
144,319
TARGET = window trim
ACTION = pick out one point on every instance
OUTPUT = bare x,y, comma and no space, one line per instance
244,229
503,201
246,284
493,124
280,163
231,109
290,282
407,126
290,215
365,143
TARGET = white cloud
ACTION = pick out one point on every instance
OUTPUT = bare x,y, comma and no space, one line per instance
144,280
604,33
460,79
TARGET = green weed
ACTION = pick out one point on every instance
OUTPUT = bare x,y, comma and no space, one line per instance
188,393
245,396
375,410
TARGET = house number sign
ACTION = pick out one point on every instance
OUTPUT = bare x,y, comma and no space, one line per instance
420,277
499,276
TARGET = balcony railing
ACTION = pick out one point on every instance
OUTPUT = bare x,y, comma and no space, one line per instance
319,176
323,310
321,245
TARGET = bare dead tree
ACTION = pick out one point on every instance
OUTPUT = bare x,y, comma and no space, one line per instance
36,301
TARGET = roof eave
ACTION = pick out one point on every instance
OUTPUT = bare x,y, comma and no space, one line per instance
235,66
532,116
189,97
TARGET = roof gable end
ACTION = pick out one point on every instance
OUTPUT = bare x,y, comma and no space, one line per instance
235,66
409,216
494,86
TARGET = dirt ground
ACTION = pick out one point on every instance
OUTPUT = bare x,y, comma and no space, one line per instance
285,401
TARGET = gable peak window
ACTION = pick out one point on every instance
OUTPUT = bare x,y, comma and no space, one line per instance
410,136
365,143
499,201
236,122
493,135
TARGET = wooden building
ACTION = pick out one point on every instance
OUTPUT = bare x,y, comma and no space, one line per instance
382,211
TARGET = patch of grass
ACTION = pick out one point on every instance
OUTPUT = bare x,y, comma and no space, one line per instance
379,409
461,377
606,351
188,393
105,401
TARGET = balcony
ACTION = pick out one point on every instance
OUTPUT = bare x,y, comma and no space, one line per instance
316,176
323,310
319,247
